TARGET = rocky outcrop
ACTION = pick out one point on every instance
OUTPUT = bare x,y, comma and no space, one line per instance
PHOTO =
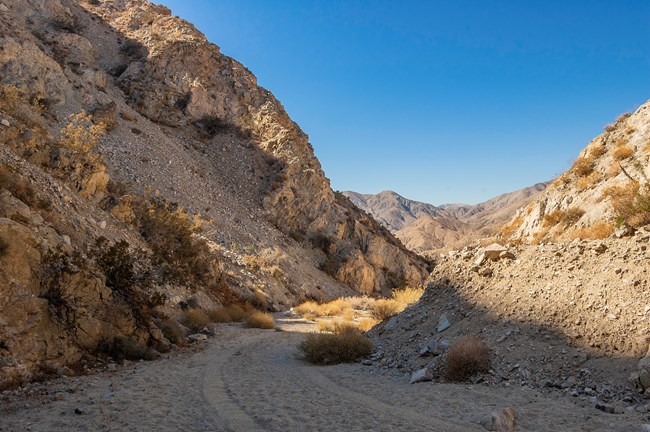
605,187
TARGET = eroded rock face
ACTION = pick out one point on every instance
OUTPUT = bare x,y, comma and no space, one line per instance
184,80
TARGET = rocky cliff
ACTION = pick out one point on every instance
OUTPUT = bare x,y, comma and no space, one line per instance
122,126
607,187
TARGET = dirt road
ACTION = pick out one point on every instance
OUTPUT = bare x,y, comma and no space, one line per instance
253,380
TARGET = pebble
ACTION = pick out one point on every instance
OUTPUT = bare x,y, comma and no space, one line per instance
4,122
79,410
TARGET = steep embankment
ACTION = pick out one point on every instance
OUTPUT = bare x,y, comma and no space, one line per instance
213,188
424,227
606,186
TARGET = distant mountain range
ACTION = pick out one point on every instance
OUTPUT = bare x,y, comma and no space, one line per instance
425,227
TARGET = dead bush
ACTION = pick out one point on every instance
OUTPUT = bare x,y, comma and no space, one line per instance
236,312
597,151
407,296
623,152
583,166
631,203
513,226
195,319
365,324
384,309
600,230
22,189
219,315
344,346
259,319
564,217
173,332
467,357
123,348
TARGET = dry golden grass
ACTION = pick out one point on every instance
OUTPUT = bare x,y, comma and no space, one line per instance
236,312
407,296
348,315
631,203
597,151
583,166
309,307
600,230
384,309
623,152
565,217
194,319
367,323
539,236
259,319
510,228
346,345
466,358
589,181
219,315
173,332
336,307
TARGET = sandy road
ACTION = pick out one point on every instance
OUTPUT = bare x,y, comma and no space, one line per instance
252,380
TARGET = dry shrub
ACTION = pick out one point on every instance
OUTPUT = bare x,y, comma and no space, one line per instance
336,307
583,166
309,316
195,319
344,346
539,236
173,331
123,348
363,303
565,217
600,230
236,312
384,309
348,315
219,315
467,357
21,188
366,323
407,296
259,319
631,203
597,151
510,228
309,307
589,181
623,152
82,136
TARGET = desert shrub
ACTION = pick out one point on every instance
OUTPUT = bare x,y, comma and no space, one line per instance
600,230
384,309
173,331
4,247
510,228
623,152
180,254
118,264
589,181
236,312
407,296
597,151
133,49
123,348
466,358
345,345
367,323
335,307
565,217
219,315
631,203
309,307
259,319
195,319
363,303
56,267
583,166
21,189
82,137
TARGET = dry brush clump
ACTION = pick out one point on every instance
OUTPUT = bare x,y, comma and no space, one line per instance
22,189
466,358
346,345
583,166
195,319
631,203
173,331
259,319
599,230
623,152
564,217
401,299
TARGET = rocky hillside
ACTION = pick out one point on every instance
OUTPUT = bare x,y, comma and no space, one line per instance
142,170
571,318
607,186
425,227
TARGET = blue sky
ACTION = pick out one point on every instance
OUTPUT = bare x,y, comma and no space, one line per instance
440,101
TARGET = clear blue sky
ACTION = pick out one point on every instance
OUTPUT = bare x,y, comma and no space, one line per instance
440,101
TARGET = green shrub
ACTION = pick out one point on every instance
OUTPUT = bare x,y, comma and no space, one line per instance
466,358
346,345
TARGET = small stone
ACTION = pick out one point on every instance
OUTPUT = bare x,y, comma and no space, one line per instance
609,409
600,248
79,410
443,323
4,122
422,375
366,362
102,224
485,271
151,354
197,337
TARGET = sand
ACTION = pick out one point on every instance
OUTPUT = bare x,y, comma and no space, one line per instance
254,380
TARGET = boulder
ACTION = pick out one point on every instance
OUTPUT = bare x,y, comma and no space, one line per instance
422,375
443,323
435,347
